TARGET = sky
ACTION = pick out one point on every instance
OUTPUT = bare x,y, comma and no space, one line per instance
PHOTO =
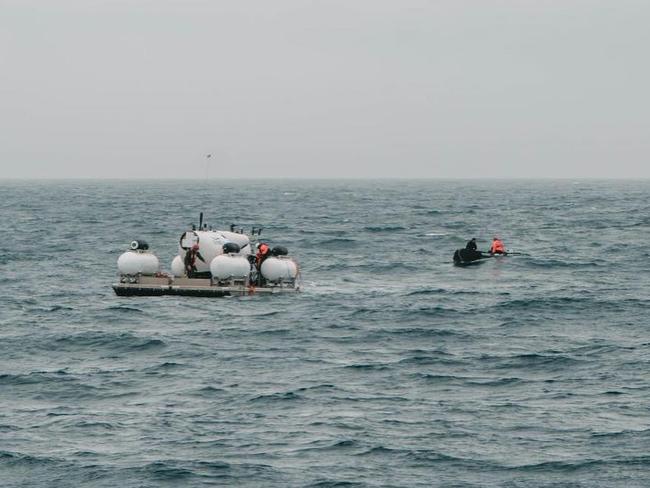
324,89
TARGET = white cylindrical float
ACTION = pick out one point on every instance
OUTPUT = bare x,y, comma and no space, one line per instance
138,262
178,267
230,266
276,269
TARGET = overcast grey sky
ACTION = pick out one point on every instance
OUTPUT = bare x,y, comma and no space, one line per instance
336,88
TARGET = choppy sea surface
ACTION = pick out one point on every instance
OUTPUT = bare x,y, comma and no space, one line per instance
391,368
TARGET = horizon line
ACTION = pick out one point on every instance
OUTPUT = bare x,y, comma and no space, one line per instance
335,178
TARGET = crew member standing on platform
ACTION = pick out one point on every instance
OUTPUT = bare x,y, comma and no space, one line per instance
190,260
263,252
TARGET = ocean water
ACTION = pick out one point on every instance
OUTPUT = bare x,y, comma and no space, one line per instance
391,368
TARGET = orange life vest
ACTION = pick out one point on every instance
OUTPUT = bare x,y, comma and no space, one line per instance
262,251
497,246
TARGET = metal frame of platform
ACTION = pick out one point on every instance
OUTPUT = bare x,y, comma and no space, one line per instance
148,286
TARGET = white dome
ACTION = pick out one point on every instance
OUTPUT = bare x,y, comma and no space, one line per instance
276,269
133,262
211,245
240,239
229,266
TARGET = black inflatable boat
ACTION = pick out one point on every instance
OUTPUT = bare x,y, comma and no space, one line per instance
464,257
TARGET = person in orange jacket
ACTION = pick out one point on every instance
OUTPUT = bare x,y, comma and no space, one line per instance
497,246
263,252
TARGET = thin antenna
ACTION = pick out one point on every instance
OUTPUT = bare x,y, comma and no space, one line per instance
207,165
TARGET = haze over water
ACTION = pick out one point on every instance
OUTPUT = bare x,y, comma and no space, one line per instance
392,368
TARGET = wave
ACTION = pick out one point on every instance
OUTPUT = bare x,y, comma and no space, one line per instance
180,471
210,391
383,228
148,344
553,303
566,304
15,458
371,267
277,397
439,378
164,471
425,314
441,291
577,465
494,381
115,341
324,386
368,366
336,244
414,331
59,308
623,433
123,309
319,445
247,313
16,257
437,357
418,455
335,484
408,314
598,349
166,366
552,263
34,377
536,360
275,332
426,291
87,424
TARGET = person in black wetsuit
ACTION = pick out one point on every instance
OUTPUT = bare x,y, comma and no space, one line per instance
471,252
190,260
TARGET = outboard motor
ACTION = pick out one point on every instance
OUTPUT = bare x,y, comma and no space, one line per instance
279,251
231,248
139,245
